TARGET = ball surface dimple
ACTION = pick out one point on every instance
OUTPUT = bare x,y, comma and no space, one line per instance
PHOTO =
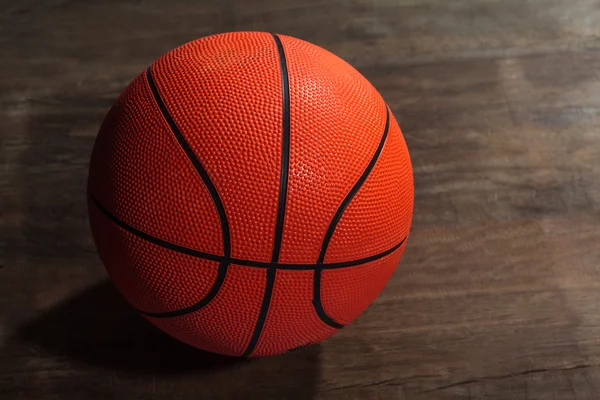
185,193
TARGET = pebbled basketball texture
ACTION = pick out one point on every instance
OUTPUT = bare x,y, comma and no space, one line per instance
250,193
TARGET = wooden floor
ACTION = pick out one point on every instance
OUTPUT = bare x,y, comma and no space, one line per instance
498,294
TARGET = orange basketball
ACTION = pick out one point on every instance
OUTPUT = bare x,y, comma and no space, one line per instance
250,193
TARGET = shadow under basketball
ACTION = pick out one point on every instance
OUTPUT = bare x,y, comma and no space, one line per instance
98,330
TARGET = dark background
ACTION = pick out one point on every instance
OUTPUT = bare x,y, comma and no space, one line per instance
497,296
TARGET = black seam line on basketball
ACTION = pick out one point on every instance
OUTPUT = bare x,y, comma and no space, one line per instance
214,290
283,184
285,150
354,190
248,263
224,262
216,286
317,303
212,190
262,314
153,239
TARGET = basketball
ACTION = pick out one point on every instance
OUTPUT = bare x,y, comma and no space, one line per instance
250,193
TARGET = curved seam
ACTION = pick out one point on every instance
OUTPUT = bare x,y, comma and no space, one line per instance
283,184
318,304
214,194
317,301
238,261
212,190
212,293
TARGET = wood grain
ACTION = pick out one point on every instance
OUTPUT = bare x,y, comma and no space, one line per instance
497,294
